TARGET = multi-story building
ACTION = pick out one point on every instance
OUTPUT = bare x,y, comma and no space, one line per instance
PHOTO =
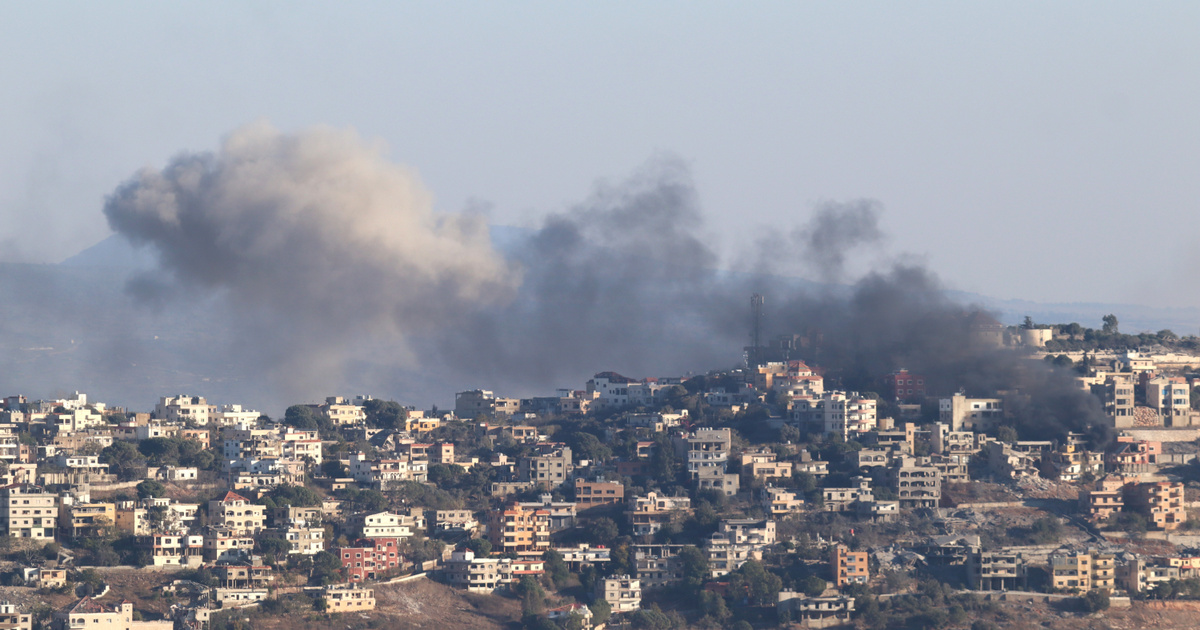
703,448
649,513
340,598
816,612
780,501
849,567
89,614
173,549
716,479
549,469
455,521
370,559
754,531
725,556
969,414
519,530
995,570
83,520
763,464
599,493
183,409
11,618
1161,503
1106,499
1171,397
385,525
1117,395
487,575
343,412
481,402
622,592
905,387
1082,571
237,513
658,565
27,512
916,485
843,499
847,414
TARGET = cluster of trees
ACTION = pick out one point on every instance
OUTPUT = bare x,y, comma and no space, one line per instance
128,461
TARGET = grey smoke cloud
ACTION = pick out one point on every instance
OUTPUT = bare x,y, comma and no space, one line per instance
319,244
332,267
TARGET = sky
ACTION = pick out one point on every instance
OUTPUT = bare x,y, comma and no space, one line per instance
1041,151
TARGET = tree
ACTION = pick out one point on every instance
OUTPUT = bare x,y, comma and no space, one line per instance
1006,434
151,488
695,566
1096,600
1028,323
326,569
556,568
1111,325
603,530
124,460
385,414
482,547
601,611
533,598
813,586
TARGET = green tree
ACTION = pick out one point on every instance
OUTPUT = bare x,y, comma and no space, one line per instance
326,569
124,460
385,414
482,547
151,488
603,530
601,611
556,568
1096,600
694,566
1111,325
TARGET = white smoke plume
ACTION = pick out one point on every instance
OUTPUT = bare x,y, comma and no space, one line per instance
321,246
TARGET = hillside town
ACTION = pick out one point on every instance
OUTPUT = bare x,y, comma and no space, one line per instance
760,496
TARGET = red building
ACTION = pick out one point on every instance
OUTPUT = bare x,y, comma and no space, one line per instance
905,387
369,559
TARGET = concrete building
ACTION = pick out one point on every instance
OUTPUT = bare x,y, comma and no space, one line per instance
370,559
27,512
1082,572
519,530
1161,503
969,414
816,612
849,567
590,494
622,592
649,513
237,513
548,469
995,570
341,598
703,448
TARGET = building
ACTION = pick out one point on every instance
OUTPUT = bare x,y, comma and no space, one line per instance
725,555
340,598
184,409
816,612
370,559
649,513
27,512
385,525
762,464
969,414
83,520
481,402
849,567
237,513
89,614
519,530
1117,395
917,485
843,499
622,592
1161,503
658,565
905,387
780,501
714,478
995,570
13,619
487,575
549,469
590,494
1106,499
754,531
1082,571
847,414
703,448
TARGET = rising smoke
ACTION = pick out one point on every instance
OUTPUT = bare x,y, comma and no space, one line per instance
328,256
320,247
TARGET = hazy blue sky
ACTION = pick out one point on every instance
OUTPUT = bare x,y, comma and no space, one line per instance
1048,151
